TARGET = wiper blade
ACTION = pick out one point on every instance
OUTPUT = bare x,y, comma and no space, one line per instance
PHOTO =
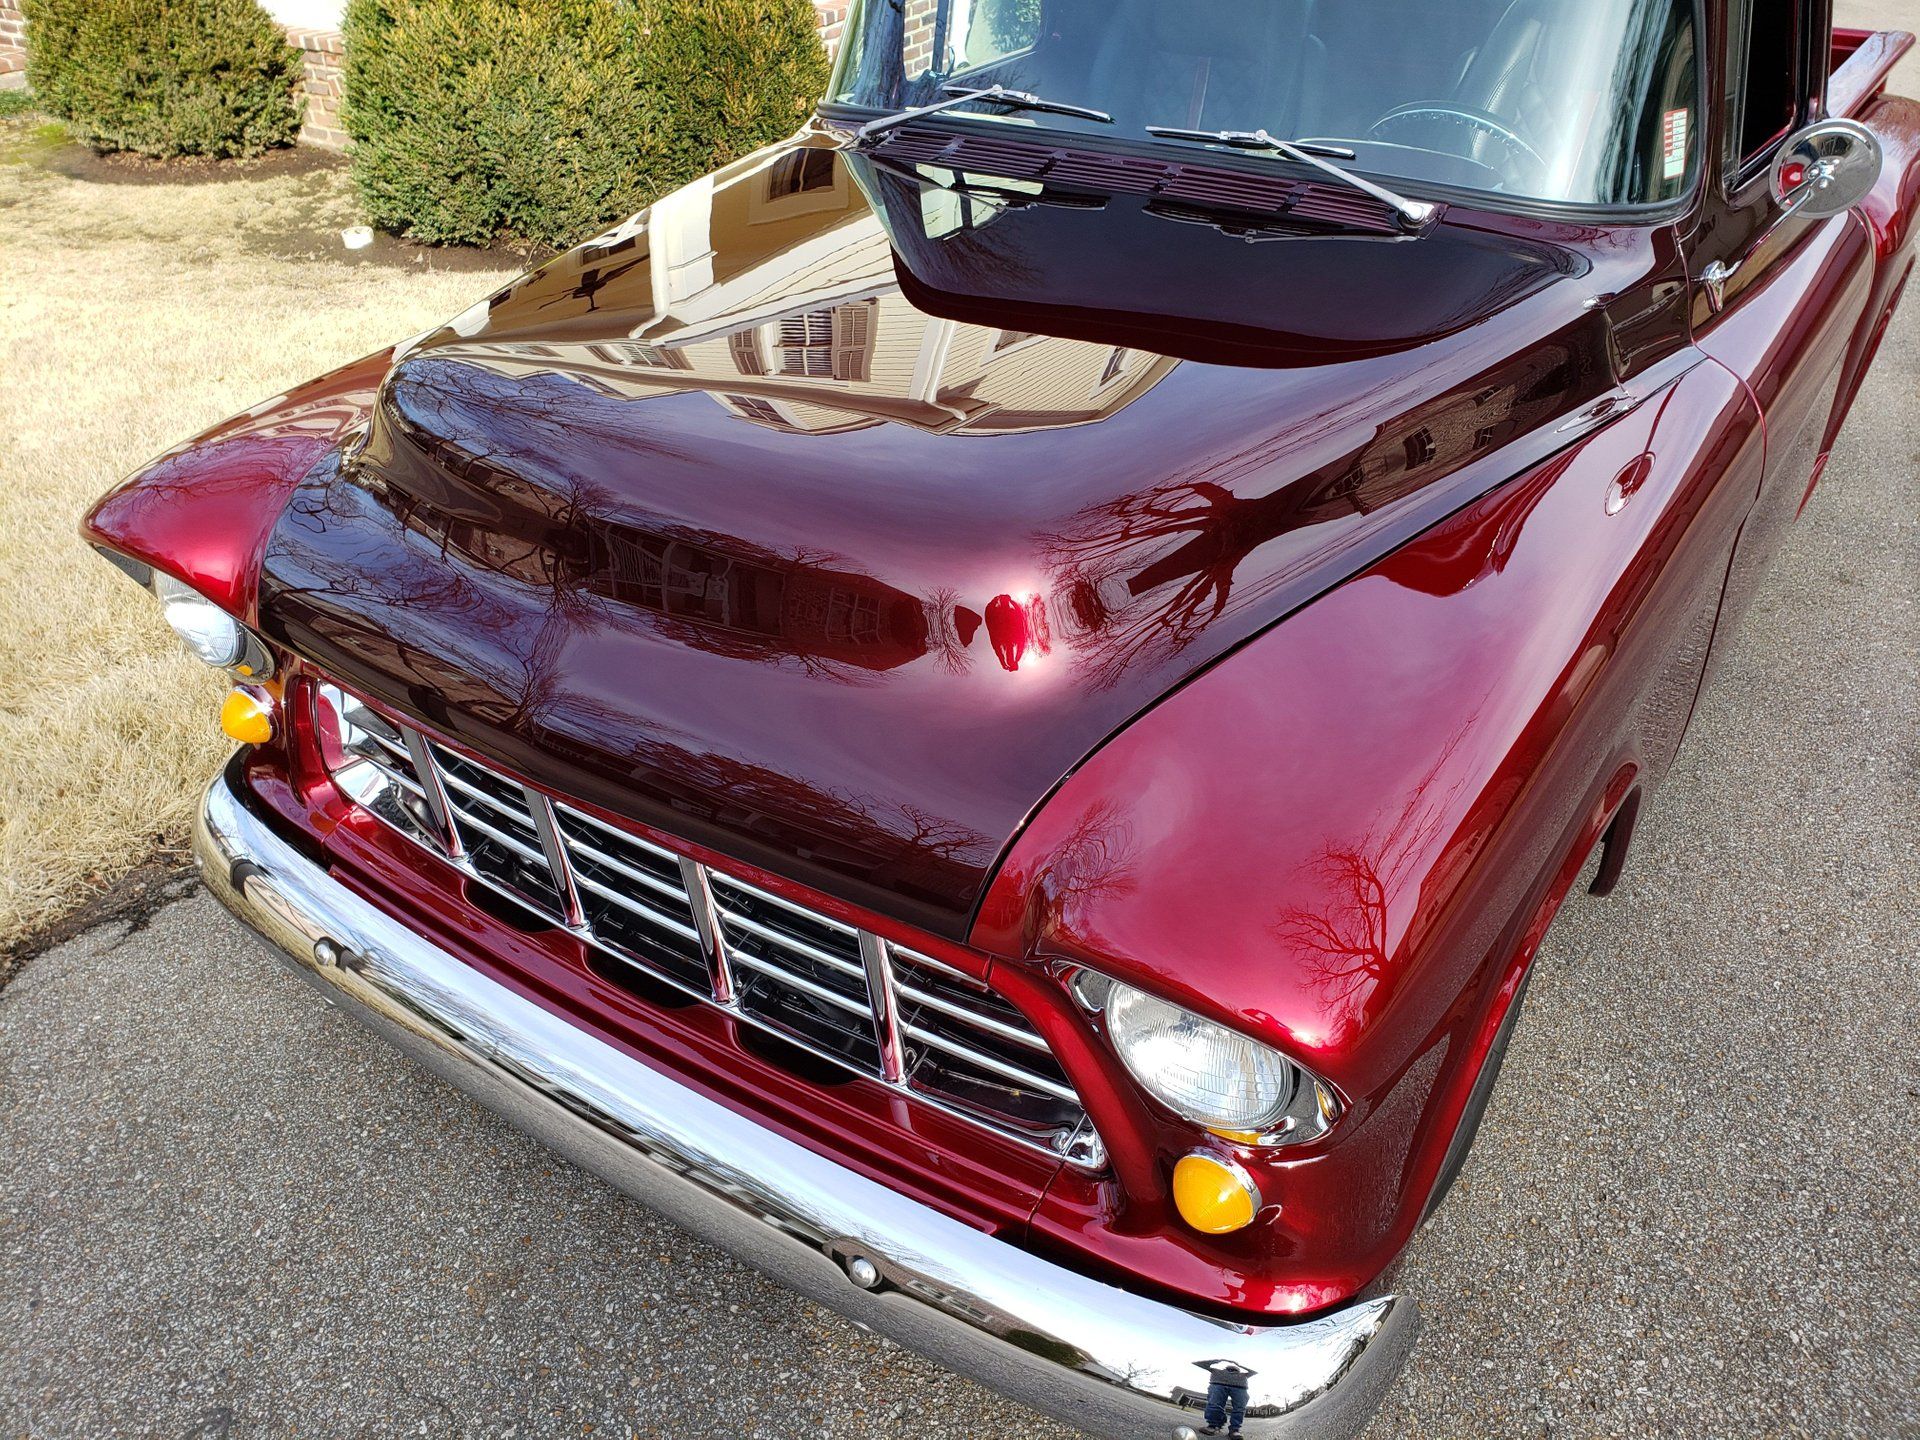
1413,213
996,94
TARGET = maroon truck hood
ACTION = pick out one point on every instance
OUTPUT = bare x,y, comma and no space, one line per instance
829,520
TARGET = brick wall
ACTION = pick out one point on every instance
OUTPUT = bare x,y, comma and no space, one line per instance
829,15
13,38
918,52
320,86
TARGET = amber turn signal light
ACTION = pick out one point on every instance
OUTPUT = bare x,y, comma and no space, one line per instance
1214,1196
246,715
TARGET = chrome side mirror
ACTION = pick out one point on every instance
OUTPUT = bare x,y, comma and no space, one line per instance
1825,169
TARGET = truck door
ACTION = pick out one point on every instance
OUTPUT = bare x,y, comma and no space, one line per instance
1776,298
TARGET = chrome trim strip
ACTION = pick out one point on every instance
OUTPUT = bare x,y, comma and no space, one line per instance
429,773
616,831
885,1008
713,944
1118,1365
914,957
497,835
393,774
746,960
805,914
396,748
485,796
627,872
633,960
558,860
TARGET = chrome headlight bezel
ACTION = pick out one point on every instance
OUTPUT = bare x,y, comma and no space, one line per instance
1301,1106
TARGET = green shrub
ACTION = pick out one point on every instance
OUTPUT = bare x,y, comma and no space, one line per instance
165,77
541,121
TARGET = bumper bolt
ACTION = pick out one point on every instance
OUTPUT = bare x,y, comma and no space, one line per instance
863,1272
326,952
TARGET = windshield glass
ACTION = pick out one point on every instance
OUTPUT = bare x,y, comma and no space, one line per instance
1589,102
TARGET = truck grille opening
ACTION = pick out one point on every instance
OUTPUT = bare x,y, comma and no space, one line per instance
832,992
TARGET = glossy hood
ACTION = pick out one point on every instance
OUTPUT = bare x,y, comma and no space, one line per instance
830,512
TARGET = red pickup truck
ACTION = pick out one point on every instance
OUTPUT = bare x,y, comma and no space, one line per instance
988,707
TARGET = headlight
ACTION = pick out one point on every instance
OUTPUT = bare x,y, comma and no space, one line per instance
1214,1076
208,631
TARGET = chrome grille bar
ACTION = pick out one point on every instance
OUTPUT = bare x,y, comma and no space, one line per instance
627,872
1010,1033
494,832
719,967
886,1007
1015,1073
436,791
639,907
474,792
554,846
625,837
845,995
394,773
802,984
789,942
812,916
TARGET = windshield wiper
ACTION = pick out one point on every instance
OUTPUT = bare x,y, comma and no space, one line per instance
1413,213
996,94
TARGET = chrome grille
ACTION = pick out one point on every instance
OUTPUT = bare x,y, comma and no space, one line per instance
841,994
635,900
799,973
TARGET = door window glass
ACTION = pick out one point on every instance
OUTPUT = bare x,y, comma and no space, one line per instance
1763,99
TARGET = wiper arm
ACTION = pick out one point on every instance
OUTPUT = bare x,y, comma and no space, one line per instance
1413,213
996,94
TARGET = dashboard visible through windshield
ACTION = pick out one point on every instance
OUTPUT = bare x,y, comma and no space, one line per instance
1585,102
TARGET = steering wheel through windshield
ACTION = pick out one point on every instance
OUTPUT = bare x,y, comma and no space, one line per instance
1436,118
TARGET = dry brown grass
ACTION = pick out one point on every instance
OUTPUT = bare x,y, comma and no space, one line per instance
138,306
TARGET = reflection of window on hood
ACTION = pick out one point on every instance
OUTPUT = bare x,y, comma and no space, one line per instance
799,172
830,344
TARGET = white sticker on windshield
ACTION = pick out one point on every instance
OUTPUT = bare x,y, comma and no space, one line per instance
1673,145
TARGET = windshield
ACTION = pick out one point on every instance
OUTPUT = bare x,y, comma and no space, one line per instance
1590,102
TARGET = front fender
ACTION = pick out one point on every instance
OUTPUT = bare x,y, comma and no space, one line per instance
203,510
1347,837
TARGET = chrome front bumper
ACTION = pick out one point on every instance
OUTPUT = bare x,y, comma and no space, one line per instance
1113,1363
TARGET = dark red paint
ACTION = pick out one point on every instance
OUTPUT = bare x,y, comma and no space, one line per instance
741,605
1275,622
202,511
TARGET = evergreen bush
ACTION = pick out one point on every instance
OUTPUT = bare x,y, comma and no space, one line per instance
165,77
541,121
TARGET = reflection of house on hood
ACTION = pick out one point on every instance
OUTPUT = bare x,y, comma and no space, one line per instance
749,604
771,287
727,598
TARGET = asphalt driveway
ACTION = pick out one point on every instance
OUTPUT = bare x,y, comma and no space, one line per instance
1694,1209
